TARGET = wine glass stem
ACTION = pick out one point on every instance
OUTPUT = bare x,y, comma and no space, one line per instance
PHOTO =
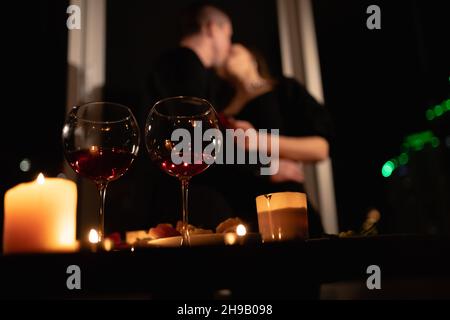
185,231
101,222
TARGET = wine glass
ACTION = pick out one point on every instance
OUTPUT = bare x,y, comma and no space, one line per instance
183,139
101,140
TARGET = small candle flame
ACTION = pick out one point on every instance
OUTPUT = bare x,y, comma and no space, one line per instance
230,238
241,230
93,149
93,236
40,179
108,244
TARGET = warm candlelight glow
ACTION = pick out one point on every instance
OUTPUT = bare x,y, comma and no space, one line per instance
93,236
230,238
40,179
282,216
108,244
40,216
241,230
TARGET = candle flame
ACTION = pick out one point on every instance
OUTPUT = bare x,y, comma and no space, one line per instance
93,236
40,179
93,149
108,244
230,238
241,230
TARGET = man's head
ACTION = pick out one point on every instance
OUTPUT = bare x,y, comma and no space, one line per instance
212,26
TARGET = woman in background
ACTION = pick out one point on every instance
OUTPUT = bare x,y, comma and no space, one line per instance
262,102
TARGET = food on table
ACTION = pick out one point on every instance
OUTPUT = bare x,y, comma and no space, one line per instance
163,230
166,230
192,229
346,234
228,225
133,236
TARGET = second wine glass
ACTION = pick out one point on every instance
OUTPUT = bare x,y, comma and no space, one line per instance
177,140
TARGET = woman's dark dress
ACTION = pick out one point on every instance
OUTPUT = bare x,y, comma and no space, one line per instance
292,110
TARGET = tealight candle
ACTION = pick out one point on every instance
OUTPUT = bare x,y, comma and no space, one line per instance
40,216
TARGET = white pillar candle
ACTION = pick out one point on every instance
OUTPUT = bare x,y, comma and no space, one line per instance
40,216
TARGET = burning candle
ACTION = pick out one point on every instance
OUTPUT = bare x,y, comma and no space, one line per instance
282,216
40,216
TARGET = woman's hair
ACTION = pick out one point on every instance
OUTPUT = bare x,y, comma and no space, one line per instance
261,63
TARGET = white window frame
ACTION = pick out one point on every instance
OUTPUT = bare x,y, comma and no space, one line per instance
300,60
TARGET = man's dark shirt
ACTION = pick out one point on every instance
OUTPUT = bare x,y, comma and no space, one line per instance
180,72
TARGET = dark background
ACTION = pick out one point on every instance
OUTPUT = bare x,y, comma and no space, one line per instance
33,91
378,85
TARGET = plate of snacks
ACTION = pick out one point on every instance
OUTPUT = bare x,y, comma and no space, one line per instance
231,231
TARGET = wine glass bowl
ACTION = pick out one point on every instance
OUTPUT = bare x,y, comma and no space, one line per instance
101,140
177,140
100,164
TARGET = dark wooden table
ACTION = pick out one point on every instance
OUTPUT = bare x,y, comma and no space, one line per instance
291,270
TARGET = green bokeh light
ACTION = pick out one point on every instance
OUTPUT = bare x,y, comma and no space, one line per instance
419,147
418,140
387,169
395,162
403,159
412,143
438,111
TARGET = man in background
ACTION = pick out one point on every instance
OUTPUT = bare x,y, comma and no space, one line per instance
205,42
188,70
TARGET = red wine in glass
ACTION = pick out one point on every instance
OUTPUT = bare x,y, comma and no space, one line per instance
101,164
189,114
101,140
197,164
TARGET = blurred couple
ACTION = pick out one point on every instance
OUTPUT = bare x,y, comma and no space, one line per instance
236,80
